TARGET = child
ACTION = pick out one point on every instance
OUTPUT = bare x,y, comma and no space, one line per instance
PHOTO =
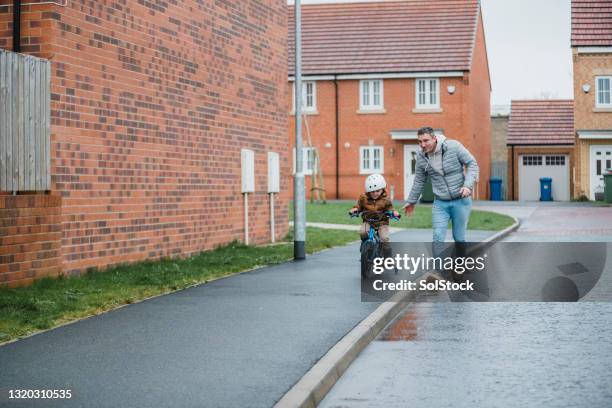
375,199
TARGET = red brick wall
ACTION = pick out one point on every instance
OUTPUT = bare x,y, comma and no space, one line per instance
465,117
30,238
151,104
480,112
358,129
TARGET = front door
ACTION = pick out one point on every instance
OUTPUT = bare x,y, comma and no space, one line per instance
601,159
410,156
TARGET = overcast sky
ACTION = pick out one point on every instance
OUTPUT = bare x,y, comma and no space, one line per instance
528,43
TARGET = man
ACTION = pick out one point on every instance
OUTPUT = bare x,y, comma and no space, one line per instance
443,160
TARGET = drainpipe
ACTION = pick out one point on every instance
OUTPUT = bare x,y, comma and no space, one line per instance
513,175
17,25
337,141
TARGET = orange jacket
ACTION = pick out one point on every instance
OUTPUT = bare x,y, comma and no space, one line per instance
365,203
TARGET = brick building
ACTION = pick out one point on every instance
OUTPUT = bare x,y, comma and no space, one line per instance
376,72
592,60
540,144
151,104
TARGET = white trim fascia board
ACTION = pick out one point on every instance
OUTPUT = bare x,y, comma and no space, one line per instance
391,75
409,134
594,50
594,134
313,78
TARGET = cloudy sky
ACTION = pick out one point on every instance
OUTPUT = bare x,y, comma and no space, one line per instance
528,43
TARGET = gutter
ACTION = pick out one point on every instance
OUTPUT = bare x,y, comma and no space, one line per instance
337,140
16,25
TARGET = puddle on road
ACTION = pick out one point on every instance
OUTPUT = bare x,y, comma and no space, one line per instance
405,326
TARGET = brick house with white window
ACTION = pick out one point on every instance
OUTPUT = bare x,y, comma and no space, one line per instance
592,59
376,72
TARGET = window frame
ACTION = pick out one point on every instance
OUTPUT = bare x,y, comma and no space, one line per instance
598,104
305,107
427,93
306,151
371,159
371,106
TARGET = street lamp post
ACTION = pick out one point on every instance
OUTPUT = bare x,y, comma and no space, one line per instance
299,199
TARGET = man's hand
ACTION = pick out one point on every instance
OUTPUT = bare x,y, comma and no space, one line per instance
352,211
409,209
395,214
465,192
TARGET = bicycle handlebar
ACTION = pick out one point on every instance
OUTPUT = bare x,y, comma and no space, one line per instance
387,213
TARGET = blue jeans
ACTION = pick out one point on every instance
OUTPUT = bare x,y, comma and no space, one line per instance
457,211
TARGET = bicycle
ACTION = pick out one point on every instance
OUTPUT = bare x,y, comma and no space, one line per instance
372,247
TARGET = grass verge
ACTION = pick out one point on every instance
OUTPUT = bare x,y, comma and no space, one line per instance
336,213
50,302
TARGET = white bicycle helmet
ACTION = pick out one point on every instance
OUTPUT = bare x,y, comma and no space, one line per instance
375,182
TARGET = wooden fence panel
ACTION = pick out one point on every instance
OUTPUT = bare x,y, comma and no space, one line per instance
25,132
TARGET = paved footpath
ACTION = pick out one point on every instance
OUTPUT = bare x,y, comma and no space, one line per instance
440,354
242,341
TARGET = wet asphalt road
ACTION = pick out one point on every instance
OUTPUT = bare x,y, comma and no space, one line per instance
439,353
241,341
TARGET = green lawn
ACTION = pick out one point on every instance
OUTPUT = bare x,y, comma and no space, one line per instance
337,213
50,302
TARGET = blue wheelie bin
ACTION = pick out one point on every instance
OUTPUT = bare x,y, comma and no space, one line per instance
495,185
545,189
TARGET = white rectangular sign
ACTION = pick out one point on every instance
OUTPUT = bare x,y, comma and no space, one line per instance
248,170
273,173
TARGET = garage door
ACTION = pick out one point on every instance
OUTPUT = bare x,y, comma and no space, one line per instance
532,167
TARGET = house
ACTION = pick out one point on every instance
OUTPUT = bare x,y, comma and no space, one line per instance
376,72
150,105
540,144
592,62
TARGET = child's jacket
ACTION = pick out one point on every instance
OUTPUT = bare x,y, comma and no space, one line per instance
365,203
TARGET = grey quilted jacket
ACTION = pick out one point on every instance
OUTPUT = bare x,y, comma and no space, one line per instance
447,183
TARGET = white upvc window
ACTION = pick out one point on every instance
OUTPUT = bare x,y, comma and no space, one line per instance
309,97
602,91
428,93
308,160
371,94
371,159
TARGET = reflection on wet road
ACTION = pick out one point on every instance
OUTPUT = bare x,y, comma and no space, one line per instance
444,354
439,353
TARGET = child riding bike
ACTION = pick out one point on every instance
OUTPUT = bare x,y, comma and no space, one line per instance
375,201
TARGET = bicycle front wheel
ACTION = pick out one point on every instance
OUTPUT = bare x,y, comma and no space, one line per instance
368,254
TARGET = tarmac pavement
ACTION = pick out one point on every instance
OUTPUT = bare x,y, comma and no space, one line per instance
241,341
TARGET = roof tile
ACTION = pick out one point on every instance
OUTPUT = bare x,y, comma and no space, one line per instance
541,122
381,37
591,23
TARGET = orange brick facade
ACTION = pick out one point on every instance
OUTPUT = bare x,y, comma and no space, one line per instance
151,103
464,116
587,66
